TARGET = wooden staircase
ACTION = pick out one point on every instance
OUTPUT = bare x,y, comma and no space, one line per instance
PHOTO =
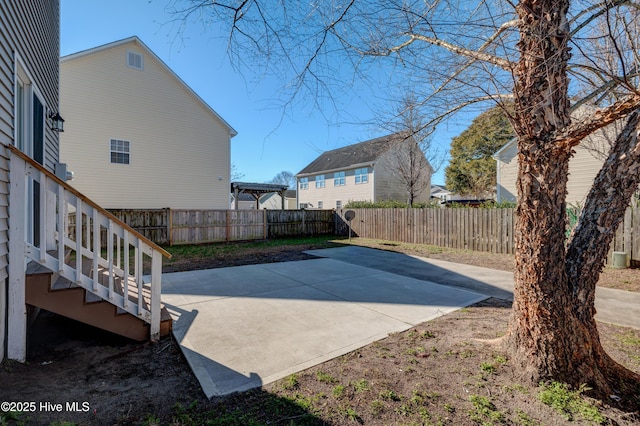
54,293
72,257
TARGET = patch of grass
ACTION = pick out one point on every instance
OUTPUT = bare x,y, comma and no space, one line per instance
291,382
361,385
449,408
181,252
467,353
515,387
628,339
526,420
11,417
569,402
500,359
390,395
325,378
404,410
427,335
415,351
488,367
484,411
338,391
350,413
377,407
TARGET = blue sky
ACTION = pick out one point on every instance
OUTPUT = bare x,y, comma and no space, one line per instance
268,140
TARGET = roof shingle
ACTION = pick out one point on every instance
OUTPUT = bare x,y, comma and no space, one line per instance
359,153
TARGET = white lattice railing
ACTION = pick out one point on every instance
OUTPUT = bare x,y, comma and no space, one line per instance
97,251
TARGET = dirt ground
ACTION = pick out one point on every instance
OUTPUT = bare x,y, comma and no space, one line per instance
445,371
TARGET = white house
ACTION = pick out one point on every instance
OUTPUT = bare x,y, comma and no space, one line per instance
141,129
374,170
35,251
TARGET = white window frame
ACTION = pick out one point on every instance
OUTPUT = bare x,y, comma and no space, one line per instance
124,151
23,129
304,205
339,179
362,176
23,136
338,204
320,182
320,204
304,183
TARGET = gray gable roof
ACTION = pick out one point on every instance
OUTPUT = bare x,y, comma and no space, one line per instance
352,155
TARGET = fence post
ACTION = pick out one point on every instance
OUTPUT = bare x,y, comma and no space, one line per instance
170,226
264,223
228,226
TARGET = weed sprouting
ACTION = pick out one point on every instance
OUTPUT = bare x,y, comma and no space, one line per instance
569,402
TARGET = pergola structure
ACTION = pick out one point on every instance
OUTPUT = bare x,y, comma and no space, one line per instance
257,190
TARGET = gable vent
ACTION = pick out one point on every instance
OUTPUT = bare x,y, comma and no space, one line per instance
134,60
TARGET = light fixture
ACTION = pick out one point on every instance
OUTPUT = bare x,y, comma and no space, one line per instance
57,122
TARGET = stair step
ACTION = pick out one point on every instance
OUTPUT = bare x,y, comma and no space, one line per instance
63,284
91,298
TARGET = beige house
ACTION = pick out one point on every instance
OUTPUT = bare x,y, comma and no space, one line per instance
141,138
374,170
273,201
583,167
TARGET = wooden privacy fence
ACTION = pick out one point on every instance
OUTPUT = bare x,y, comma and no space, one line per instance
488,230
174,227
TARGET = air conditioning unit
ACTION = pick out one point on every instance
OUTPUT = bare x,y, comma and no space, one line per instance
62,173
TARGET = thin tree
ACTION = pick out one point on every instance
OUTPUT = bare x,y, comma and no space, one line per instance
459,54
413,158
285,177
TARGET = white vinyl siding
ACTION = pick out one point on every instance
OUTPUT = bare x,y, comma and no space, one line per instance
330,193
179,147
583,168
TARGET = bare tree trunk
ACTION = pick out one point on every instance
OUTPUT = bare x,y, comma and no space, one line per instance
602,214
552,332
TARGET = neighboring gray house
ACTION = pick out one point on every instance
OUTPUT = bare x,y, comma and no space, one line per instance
373,170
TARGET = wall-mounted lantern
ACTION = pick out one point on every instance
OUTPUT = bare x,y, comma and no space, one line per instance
57,122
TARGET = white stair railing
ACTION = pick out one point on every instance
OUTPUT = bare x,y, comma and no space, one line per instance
108,258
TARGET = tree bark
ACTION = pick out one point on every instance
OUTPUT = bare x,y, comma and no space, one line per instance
552,333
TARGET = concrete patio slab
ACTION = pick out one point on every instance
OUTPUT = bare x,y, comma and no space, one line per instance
246,326
613,306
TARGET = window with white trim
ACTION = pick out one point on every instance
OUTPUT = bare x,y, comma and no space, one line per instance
120,151
338,204
362,175
338,179
320,204
304,205
304,183
320,181
135,60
